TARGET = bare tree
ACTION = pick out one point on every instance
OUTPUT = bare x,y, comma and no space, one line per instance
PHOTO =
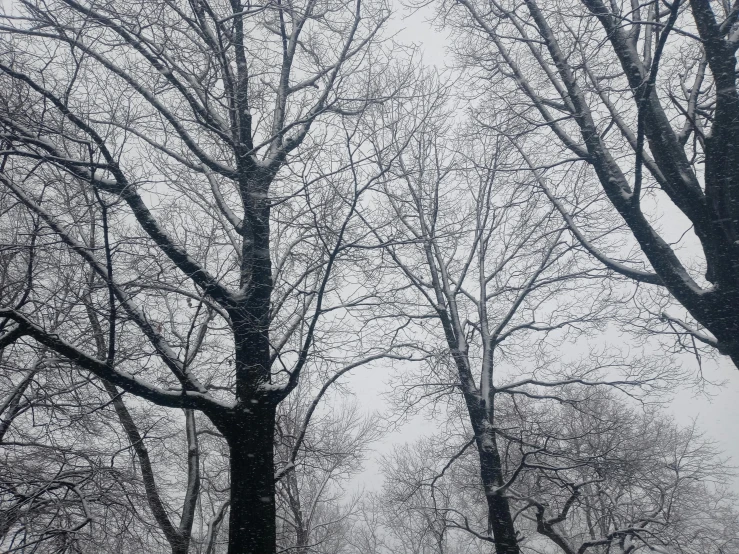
54,489
641,99
69,483
492,289
420,501
600,475
315,517
66,473
187,125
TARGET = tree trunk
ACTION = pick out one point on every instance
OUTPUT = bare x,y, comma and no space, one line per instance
293,494
252,524
718,314
178,539
500,520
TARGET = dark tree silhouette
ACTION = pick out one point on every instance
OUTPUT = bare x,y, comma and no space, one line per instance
189,132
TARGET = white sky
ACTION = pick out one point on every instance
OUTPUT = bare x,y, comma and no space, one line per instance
413,27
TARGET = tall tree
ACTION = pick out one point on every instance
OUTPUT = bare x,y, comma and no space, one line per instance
187,125
644,96
485,271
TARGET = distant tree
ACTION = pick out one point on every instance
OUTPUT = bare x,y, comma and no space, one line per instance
626,109
52,490
315,515
601,476
189,133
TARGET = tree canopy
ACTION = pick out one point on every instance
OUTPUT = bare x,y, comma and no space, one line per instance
212,212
